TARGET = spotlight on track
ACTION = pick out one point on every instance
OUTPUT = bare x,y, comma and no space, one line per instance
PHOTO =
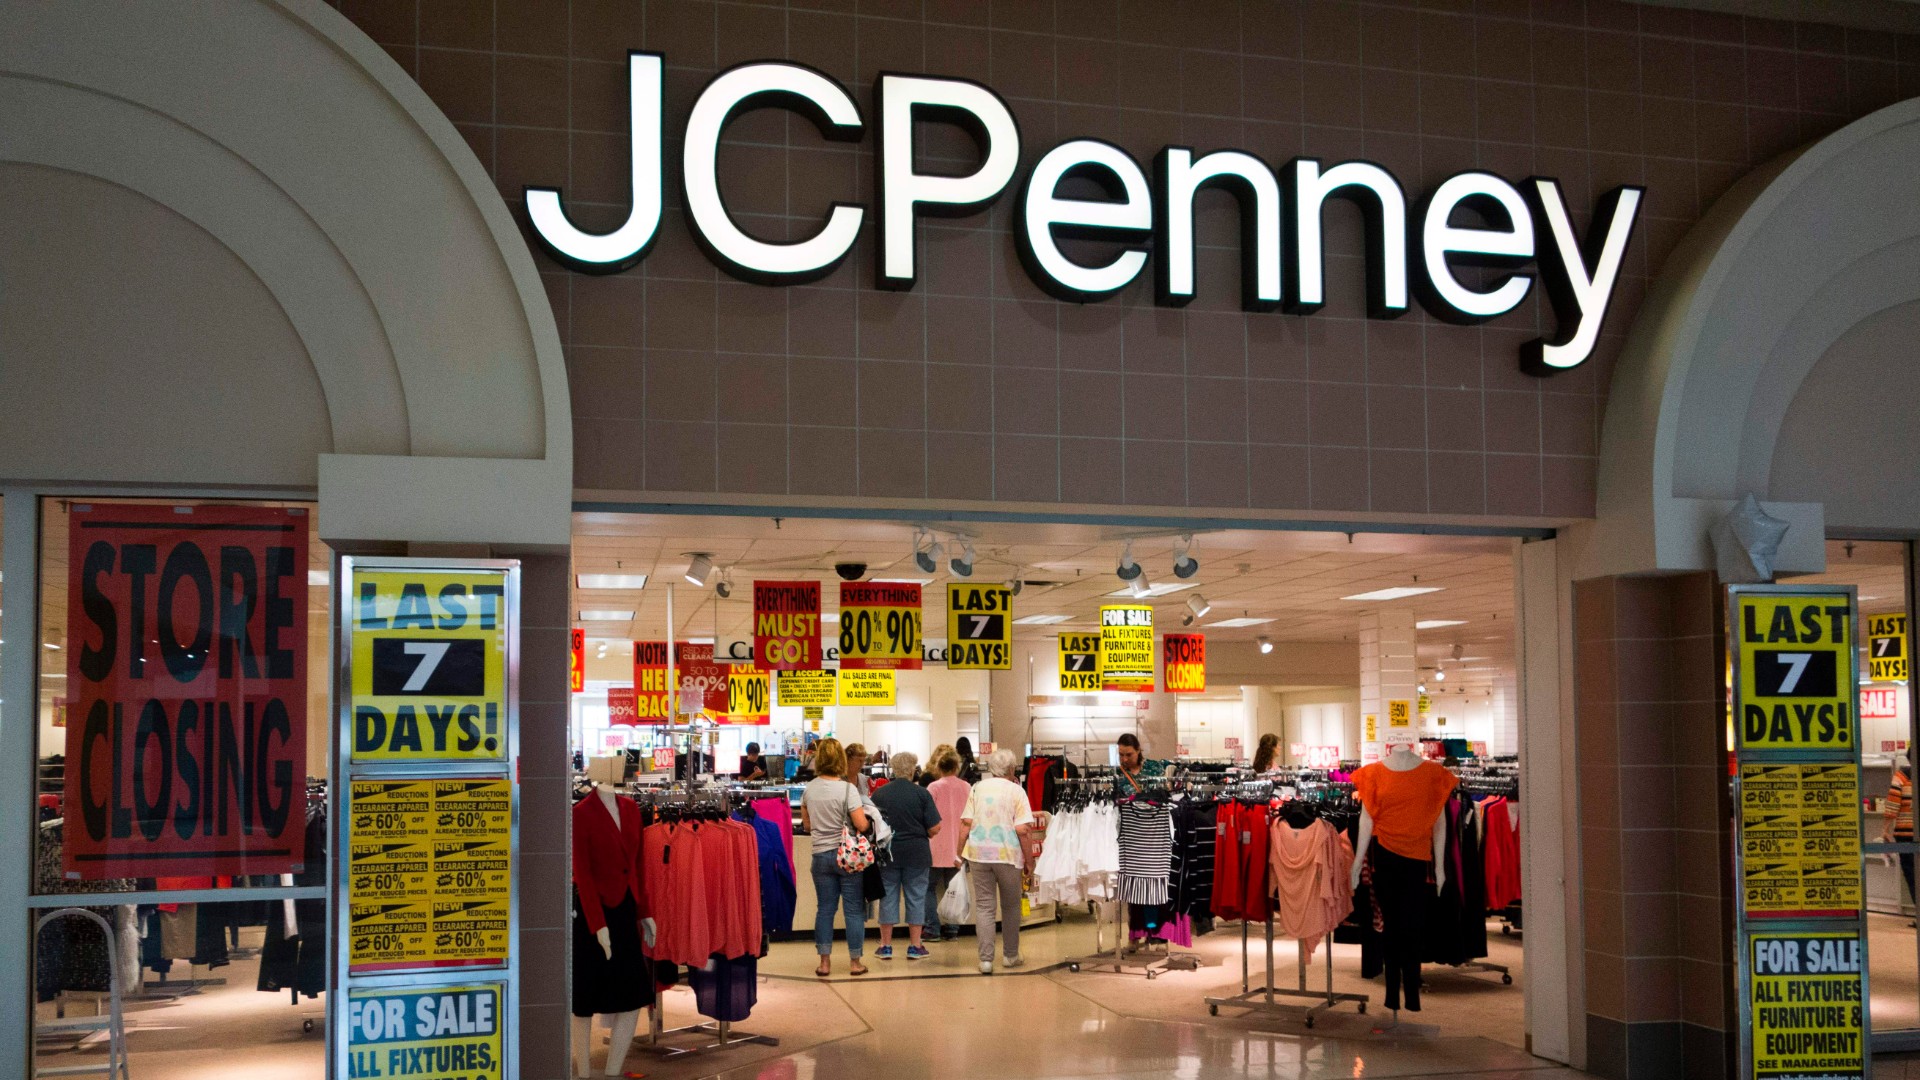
1014,586
1128,570
699,569
1184,564
1266,644
962,565
725,587
1199,605
928,558
1137,586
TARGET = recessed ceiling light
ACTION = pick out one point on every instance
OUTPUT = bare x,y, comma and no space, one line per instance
612,581
1398,592
1241,621
1434,624
319,577
605,615
1041,620
1159,588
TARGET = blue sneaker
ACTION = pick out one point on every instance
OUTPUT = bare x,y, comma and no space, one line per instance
917,952
884,952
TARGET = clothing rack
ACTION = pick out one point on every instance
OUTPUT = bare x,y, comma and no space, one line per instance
725,1037
1261,999
86,1027
1124,960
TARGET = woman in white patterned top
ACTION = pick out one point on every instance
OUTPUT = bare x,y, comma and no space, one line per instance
996,822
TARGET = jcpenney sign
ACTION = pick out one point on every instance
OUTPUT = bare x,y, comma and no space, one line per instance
1411,250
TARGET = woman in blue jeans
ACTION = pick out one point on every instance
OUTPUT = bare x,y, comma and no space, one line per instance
827,807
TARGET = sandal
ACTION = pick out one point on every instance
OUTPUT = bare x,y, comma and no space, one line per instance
824,970
858,968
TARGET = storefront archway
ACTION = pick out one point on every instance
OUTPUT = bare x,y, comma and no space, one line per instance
1733,380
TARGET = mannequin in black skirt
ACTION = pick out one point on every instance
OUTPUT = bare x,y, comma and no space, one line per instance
611,975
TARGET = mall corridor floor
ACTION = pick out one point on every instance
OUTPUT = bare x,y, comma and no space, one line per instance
1037,1026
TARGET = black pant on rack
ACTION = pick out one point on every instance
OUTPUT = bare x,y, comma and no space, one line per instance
1405,889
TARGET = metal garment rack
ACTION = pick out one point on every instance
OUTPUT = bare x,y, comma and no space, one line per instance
1130,962
1260,999
113,1023
725,1037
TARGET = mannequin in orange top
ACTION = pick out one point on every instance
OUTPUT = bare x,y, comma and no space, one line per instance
611,904
1403,827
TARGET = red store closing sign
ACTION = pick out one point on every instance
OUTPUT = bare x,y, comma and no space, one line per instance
187,670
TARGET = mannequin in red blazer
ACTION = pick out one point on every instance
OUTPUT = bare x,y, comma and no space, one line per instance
607,883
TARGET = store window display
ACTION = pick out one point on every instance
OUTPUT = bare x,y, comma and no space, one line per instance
1402,848
611,926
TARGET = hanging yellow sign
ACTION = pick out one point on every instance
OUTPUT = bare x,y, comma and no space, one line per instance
866,688
1804,999
979,627
747,696
806,687
1887,647
429,670
1424,703
1126,648
426,1033
1079,662
1797,683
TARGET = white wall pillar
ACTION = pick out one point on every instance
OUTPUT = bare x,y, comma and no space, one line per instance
1389,673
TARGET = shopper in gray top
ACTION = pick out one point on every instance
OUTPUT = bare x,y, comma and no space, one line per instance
828,806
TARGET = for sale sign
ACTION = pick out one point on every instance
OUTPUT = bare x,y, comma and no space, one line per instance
186,752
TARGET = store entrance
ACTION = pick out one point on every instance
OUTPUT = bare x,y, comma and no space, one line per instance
1313,654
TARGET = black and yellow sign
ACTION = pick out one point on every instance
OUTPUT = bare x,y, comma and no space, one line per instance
429,664
879,625
417,848
1370,728
1806,993
1399,713
1800,840
806,687
1887,647
979,627
1079,662
426,1033
1796,677
1423,704
1126,648
747,698
866,687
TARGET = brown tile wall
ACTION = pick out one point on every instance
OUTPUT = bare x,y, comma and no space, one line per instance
976,385
545,875
1655,826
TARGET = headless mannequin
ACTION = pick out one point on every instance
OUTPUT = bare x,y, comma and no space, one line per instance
1402,759
623,1025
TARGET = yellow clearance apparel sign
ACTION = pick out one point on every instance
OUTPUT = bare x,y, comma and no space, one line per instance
866,687
429,873
1800,840
1126,648
1184,656
1807,992
429,665
1079,662
426,1033
879,625
1887,647
1796,688
979,627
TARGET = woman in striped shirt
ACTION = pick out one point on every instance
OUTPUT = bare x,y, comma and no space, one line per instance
1897,825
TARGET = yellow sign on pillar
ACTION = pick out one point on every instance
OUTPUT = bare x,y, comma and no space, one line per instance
1796,672
1399,714
429,664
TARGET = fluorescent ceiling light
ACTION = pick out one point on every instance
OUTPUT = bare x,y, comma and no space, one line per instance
612,581
829,616
905,580
1158,588
605,615
1398,592
1241,621
1435,624
1041,620
50,645
319,577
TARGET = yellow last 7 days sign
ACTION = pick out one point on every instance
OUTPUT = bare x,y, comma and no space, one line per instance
429,664
1797,688
1887,647
1079,662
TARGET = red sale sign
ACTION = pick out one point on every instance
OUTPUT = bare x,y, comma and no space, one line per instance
703,683
786,625
620,706
186,649
577,663
1880,702
649,688
1184,657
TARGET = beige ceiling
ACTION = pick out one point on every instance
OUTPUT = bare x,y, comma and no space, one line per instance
1295,579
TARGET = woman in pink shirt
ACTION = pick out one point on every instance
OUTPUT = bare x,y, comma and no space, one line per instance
949,797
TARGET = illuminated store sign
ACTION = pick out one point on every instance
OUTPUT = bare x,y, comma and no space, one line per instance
1472,220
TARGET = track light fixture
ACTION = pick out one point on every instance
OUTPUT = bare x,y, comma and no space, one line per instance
1184,564
725,587
699,569
928,558
1128,570
1199,605
962,565
1014,586
1266,644
1457,650
1137,585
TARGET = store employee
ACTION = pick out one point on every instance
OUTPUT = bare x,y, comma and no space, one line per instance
752,766
1135,769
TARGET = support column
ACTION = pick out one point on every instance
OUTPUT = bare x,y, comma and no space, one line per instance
1389,673
1506,715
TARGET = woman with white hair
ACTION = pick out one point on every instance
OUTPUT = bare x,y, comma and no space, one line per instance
911,812
997,820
